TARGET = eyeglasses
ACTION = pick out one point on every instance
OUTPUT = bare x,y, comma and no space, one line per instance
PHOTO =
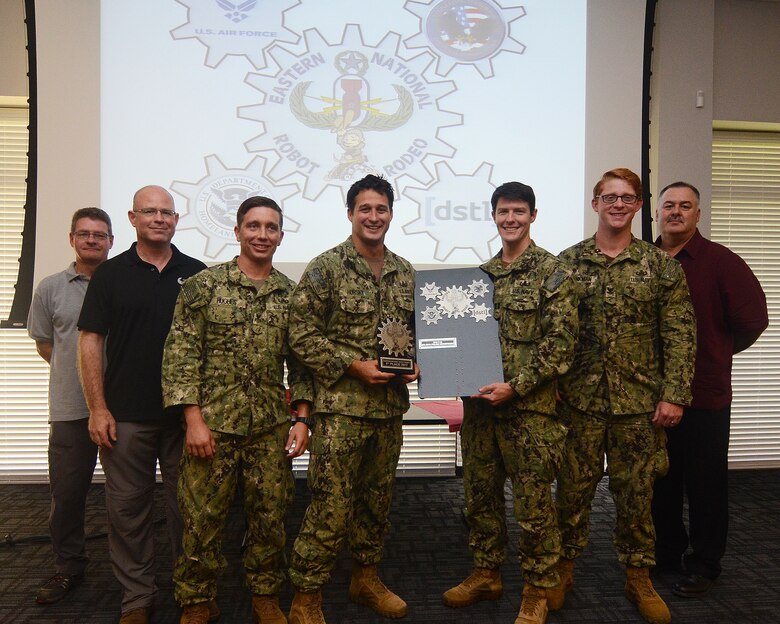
151,212
611,199
98,236
683,206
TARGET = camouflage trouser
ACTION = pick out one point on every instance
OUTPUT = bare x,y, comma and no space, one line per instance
206,490
526,448
351,478
636,454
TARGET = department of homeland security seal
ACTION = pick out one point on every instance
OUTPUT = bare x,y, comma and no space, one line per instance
213,200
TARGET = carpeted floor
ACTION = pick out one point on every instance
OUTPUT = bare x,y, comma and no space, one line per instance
426,553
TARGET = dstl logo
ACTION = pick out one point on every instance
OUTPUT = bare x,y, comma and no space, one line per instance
455,224
436,212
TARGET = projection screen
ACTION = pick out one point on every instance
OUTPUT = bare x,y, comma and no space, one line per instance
219,100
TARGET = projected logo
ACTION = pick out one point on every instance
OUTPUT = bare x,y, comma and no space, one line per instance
213,200
236,11
236,28
334,112
447,209
469,33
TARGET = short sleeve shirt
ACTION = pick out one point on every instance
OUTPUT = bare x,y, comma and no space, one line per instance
53,315
131,302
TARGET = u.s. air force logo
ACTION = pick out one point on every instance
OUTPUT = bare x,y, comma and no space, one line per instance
334,112
213,200
470,32
238,27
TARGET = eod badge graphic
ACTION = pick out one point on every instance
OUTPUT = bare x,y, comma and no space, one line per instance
334,112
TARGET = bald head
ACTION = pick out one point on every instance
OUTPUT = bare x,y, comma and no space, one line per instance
153,216
157,194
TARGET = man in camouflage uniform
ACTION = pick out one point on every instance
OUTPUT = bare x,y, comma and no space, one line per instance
224,362
510,429
335,314
630,378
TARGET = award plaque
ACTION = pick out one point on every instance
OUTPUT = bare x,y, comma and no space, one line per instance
396,346
458,348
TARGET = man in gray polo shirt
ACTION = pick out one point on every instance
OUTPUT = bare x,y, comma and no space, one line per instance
72,455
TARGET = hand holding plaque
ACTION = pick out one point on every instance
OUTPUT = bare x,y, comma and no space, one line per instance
396,345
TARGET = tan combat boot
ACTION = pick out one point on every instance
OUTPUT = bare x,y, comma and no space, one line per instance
556,595
195,614
214,612
533,609
367,589
482,584
640,591
306,608
200,613
265,610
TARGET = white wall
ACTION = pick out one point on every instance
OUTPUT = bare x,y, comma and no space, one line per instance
747,60
729,50
614,95
68,177
13,68
681,133
69,108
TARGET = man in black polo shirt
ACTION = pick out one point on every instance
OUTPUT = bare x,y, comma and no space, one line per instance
128,309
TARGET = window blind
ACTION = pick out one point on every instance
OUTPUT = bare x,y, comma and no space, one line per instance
746,218
24,376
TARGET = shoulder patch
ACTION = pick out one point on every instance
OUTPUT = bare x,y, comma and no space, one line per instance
195,293
671,271
317,279
555,280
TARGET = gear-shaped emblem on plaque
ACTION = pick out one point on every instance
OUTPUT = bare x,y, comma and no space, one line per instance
449,205
470,32
334,112
213,200
480,312
395,337
430,291
478,288
239,28
431,315
455,302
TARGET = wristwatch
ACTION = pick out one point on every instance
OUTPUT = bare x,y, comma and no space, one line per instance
301,419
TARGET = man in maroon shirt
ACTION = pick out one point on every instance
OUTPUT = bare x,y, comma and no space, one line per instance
731,313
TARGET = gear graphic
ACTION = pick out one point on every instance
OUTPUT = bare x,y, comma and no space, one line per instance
430,291
470,32
334,112
478,288
445,212
244,28
395,337
480,312
431,316
455,302
213,200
